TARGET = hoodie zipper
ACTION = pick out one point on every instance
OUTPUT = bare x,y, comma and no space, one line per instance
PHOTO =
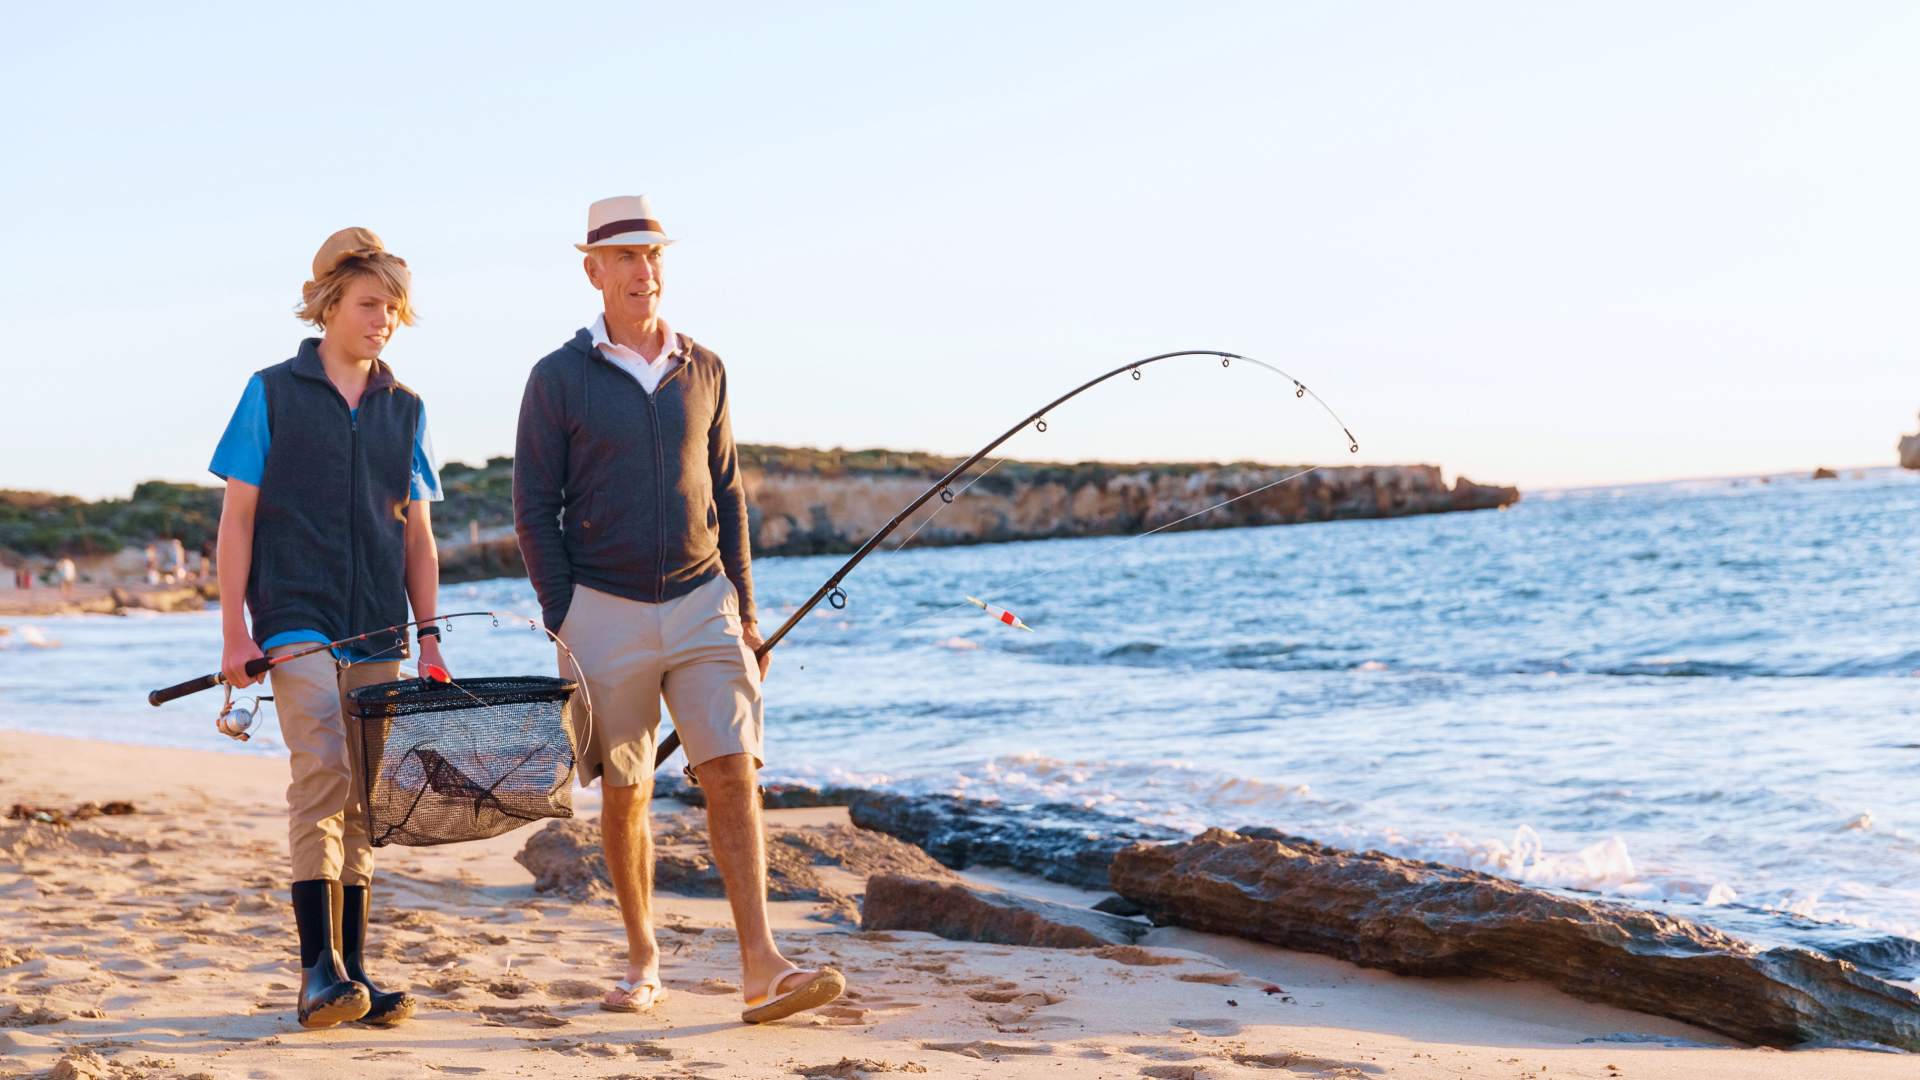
660,481
660,502
659,462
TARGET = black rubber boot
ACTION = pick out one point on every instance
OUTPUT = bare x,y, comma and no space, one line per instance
327,996
388,1008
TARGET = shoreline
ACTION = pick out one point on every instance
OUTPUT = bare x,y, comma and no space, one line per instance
171,922
1060,850
106,598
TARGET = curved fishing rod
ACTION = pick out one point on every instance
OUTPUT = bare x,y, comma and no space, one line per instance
836,597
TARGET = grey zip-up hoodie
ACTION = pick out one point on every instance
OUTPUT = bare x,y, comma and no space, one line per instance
630,493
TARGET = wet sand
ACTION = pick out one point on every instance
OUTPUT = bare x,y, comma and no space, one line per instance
161,944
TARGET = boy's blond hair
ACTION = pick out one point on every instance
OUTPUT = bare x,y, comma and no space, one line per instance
388,271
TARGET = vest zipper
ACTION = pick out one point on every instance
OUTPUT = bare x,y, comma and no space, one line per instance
353,520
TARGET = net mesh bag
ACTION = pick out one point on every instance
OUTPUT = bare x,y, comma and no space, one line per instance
448,762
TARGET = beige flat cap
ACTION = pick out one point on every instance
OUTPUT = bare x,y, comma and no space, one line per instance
342,244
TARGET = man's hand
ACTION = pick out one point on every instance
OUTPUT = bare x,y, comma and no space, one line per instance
233,661
750,633
430,654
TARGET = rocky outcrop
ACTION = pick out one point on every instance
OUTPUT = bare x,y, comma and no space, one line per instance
824,510
1059,842
566,858
184,598
812,502
1909,448
963,913
1419,918
495,553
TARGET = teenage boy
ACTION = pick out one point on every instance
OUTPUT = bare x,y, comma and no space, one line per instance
326,535
633,521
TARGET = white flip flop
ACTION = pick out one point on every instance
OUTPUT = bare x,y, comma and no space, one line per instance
826,985
629,988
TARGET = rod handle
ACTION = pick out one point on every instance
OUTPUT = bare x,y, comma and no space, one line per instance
157,698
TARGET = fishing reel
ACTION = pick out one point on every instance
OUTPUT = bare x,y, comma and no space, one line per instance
236,719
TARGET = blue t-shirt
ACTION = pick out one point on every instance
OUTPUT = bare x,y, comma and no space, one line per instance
242,455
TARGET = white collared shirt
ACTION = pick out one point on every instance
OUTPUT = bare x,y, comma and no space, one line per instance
649,373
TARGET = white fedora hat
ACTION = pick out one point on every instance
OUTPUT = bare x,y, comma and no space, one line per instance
624,220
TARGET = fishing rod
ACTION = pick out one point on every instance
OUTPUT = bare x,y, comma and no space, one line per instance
836,597
234,720
261,665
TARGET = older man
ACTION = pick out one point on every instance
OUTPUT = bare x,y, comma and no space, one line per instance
631,515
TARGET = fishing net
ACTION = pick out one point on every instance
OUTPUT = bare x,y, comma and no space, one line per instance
448,762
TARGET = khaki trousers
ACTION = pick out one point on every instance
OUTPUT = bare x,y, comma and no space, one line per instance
691,650
326,803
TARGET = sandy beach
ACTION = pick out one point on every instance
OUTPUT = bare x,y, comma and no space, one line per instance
161,945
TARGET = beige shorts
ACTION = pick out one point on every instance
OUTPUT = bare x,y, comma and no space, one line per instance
689,650
326,803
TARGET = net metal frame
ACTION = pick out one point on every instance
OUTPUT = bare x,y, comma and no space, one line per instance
464,760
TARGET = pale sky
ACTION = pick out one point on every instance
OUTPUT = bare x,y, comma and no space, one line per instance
1534,244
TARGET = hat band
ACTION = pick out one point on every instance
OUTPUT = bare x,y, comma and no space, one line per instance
615,228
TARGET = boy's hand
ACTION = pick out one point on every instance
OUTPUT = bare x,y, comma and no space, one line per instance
233,661
430,654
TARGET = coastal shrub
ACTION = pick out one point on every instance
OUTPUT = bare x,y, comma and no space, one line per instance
39,523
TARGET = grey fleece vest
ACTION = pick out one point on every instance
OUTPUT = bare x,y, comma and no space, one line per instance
329,535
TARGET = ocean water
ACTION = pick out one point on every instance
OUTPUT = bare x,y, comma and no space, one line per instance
1700,695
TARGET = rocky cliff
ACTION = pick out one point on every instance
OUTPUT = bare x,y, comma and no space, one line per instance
813,502
821,503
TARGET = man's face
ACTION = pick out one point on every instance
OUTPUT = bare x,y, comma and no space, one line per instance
363,319
629,281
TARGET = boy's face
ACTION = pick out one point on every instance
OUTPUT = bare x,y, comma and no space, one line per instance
363,319
629,282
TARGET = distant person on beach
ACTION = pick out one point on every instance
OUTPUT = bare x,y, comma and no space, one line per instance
67,573
628,502
326,534
153,565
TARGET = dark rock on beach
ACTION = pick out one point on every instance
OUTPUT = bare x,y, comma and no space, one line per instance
772,796
964,913
1418,918
1057,841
